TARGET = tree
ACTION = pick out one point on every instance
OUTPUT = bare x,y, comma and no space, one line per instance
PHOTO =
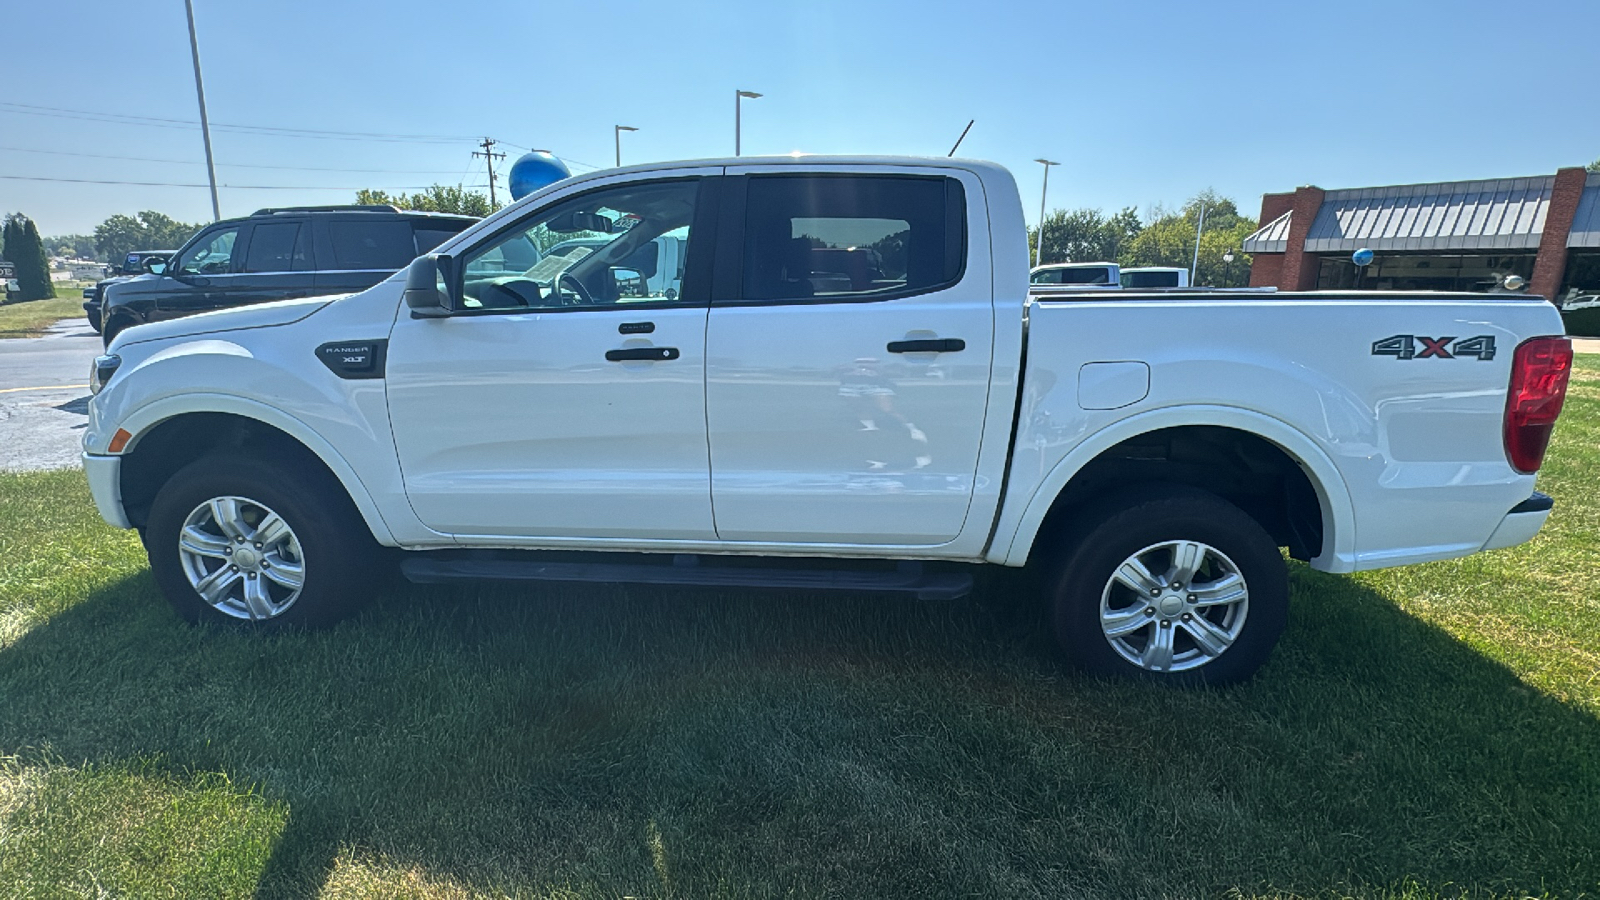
78,246
1084,235
440,198
1594,166
26,251
1169,241
149,230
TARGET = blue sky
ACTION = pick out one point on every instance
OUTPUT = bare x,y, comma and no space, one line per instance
1142,102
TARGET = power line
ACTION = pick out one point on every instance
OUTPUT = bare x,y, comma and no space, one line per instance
236,187
193,162
258,130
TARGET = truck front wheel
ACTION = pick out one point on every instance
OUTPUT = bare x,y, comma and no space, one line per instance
239,540
1173,584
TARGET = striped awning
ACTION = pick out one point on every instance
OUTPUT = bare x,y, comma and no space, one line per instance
1498,214
1586,224
1273,237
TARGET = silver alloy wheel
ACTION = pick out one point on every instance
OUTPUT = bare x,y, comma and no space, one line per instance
1174,606
241,558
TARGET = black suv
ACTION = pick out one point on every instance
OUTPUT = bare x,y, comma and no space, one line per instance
277,254
131,265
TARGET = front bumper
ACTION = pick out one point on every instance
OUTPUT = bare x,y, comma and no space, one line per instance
1521,523
105,485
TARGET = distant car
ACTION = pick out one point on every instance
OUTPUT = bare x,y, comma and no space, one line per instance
1581,301
130,266
1078,275
276,254
1155,277
8,275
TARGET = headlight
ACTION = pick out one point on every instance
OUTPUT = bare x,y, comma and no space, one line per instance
101,370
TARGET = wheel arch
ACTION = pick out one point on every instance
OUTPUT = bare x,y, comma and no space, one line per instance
1063,486
169,434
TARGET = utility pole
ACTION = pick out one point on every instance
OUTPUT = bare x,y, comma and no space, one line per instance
1195,263
489,156
205,126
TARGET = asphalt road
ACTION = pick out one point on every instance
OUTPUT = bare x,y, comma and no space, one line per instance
44,397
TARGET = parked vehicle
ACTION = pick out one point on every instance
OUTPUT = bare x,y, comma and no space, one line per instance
880,420
275,254
131,266
1078,275
1154,277
8,277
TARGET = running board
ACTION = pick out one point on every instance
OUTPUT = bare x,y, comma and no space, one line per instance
905,578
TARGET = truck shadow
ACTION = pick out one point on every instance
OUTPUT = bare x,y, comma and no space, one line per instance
528,740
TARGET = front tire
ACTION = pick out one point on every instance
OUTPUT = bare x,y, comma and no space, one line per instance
237,540
1172,584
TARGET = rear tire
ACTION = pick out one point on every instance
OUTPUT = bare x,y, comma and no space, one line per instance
242,541
94,320
1171,584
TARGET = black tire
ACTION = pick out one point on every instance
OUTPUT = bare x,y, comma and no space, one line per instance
112,329
1140,523
94,320
335,549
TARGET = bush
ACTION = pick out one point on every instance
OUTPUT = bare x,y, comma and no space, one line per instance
1583,322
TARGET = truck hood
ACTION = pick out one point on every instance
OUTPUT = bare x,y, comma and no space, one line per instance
265,315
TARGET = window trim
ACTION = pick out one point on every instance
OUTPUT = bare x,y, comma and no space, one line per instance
697,270
728,284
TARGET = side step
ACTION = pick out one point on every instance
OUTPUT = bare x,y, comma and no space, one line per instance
906,577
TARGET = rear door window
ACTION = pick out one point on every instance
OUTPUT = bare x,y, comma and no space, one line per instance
851,237
432,234
272,247
372,245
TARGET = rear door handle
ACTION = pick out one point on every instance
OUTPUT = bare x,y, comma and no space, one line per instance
940,345
654,354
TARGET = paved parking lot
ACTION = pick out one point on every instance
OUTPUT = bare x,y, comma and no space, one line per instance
44,397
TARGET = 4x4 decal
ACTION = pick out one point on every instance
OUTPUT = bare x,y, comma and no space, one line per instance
1404,346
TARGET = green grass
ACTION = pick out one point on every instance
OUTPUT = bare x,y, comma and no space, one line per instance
30,319
1420,733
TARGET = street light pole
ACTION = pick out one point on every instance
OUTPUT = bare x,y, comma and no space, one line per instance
619,130
1227,259
1038,247
205,126
737,97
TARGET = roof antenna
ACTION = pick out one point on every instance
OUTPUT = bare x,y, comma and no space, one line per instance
962,138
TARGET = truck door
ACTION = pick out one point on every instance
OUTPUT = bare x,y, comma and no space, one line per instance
561,402
277,264
849,349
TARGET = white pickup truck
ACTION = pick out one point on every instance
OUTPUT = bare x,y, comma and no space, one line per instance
846,386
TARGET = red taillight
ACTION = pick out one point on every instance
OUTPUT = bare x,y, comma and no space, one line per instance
1539,372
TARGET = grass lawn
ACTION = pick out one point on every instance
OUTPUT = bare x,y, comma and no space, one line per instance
30,319
1424,732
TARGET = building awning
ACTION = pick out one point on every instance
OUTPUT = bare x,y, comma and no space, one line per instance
1272,238
1586,224
1498,214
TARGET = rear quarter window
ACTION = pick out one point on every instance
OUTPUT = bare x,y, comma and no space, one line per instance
371,245
432,234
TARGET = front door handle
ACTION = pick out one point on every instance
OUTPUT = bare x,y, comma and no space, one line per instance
654,354
939,345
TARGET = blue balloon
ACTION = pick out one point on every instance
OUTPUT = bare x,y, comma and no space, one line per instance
1362,257
534,171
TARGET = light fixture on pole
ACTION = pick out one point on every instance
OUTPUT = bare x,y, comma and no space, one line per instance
1227,259
739,96
205,126
619,130
1038,249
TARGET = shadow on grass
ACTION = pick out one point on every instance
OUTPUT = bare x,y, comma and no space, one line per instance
619,740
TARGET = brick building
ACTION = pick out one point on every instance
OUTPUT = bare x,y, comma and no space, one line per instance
1453,236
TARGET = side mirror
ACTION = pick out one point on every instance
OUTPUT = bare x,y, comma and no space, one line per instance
155,265
428,286
628,283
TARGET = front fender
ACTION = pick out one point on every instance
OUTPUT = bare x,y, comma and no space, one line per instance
1020,520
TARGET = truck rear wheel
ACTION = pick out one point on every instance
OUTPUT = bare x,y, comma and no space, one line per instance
1172,584
238,540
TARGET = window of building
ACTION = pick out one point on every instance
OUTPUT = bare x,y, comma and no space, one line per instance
1417,272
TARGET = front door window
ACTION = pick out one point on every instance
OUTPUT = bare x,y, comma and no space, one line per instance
213,255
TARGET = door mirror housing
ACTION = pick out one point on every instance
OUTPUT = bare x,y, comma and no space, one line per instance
430,286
